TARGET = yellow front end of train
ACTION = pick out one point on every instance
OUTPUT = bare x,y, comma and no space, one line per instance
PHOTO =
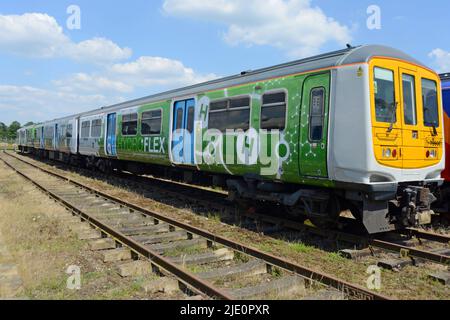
407,115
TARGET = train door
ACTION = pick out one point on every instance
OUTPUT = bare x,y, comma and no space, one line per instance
56,138
110,146
314,126
183,132
411,150
72,136
42,140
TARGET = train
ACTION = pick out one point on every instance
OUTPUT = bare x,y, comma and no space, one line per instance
443,204
357,130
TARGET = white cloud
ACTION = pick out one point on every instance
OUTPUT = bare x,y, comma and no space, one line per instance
149,74
35,104
149,71
441,59
39,35
82,92
97,49
293,26
82,82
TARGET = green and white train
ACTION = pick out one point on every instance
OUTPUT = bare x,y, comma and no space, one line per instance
314,137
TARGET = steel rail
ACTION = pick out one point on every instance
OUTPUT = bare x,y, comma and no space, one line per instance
420,234
374,242
411,252
350,289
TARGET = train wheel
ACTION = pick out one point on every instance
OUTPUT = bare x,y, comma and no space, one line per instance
331,220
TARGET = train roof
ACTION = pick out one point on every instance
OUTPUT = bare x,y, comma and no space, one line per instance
350,55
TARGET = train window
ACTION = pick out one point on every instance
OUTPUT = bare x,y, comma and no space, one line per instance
49,132
62,131
230,114
273,111
316,114
190,120
384,95
409,99
96,130
85,129
179,119
151,122
69,131
430,103
129,124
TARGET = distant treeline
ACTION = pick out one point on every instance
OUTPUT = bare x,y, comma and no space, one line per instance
10,132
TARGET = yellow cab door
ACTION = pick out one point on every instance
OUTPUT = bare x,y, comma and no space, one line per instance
411,151
421,112
386,112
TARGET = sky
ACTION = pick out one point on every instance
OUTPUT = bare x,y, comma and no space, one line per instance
63,57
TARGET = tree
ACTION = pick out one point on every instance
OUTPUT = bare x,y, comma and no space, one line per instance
3,130
28,124
12,130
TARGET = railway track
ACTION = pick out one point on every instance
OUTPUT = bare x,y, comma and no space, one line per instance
398,242
202,262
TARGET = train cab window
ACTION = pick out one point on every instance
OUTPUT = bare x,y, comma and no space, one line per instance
96,130
129,124
230,114
273,111
430,103
85,129
151,122
409,99
384,95
316,116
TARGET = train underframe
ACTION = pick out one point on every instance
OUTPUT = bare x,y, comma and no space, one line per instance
377,210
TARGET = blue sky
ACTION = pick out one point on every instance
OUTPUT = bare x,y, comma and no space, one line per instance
129,49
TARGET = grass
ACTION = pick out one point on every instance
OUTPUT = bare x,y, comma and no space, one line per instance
197,268
8,146
215,217
241,257
301,247
185,251
335,257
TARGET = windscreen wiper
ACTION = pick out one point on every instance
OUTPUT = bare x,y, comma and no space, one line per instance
394,116
435,133
433,123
